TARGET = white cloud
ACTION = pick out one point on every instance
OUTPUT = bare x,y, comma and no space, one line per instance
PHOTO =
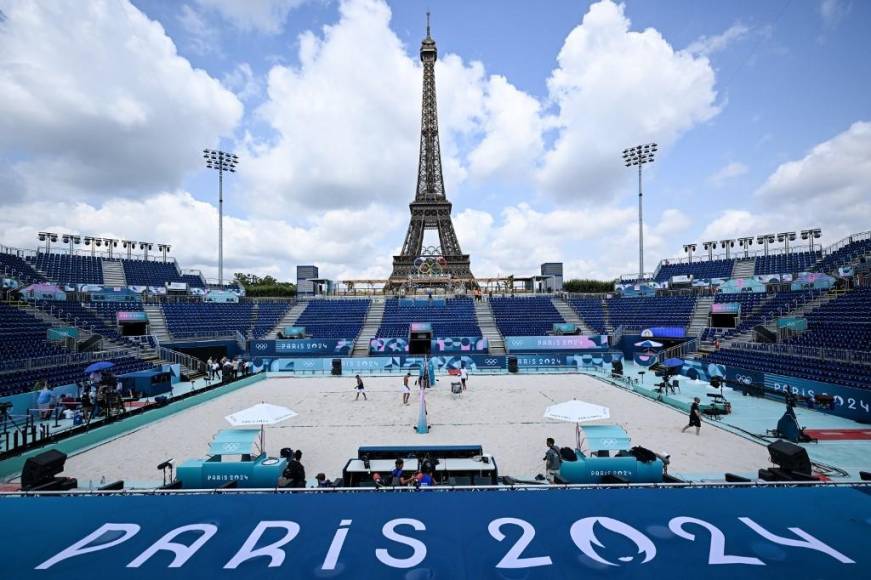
830,186
242,80
202,37
615,88
729,171
833,11
513,131
347,130
708,45
333,239
266,16
102,103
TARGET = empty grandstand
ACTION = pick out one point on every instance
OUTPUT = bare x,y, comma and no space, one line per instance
334,319
452,317
517,316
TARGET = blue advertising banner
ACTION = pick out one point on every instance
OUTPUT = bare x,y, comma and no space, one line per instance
380,364
301,347
554,343
441,344
591,533
595,359
793,323
850,403
664,332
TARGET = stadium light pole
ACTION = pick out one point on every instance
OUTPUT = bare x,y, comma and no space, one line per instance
745,243
765,239
728,245
221,162
811,234
710,247
639,155
689,249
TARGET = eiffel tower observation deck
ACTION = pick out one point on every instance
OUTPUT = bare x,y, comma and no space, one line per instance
445,264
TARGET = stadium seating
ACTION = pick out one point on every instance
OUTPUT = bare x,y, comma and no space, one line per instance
844,255
79,315
150,273
826,371
452,317
700,270
786,263
649,311
23,381
845,322
590,311
533,316
191,320
16,267
22,336
267,316
334,319
66,269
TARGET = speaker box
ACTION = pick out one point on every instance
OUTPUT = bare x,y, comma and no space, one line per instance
789,456
617,367
337,367
42,468
512,364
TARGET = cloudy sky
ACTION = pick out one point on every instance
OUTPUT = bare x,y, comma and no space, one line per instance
761,109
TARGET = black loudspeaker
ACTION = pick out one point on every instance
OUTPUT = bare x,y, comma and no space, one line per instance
789,456
337,367
42,468
512,364
617,367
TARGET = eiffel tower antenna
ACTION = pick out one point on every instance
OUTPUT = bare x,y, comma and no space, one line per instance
430,209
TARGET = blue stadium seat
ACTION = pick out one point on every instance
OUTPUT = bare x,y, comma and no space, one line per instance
451,317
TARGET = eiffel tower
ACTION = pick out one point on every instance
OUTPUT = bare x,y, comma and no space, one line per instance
430,209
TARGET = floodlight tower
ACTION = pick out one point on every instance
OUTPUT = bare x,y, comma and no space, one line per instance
710,247
221,162
745,243
786,237
810,235
728,245
639,155
765,239
689,249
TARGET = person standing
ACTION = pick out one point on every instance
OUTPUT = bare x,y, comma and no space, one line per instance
552,460
295,472
695,416
361,389
464,375
406,388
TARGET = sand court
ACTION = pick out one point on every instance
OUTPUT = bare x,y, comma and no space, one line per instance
502,413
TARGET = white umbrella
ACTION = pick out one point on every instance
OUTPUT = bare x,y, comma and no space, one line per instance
577,412
260,415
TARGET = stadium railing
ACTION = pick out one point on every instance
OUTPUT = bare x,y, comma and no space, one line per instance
837,354
61,360
180,358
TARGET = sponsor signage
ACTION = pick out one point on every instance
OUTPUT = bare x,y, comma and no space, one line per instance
726,308
851,403
304,346
559,533
664,332
739,285
380,364
131,316
550,343
443,344
792,323
62,333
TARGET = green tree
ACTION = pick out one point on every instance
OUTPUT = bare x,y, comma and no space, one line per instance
589,286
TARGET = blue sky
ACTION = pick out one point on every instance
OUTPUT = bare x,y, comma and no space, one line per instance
761,110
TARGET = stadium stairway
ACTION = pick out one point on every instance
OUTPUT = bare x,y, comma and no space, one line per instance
488,327
370,327
157,323
744,268
569,315
699,319
113,273
289,319
48,318
606,312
